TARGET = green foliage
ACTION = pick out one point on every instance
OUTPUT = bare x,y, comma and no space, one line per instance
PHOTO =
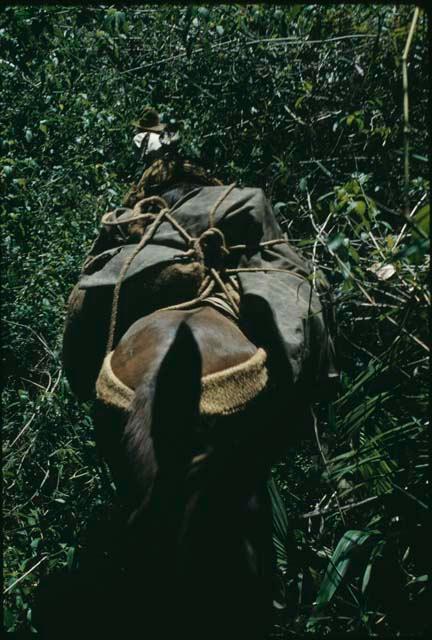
280,525
306,102
338,566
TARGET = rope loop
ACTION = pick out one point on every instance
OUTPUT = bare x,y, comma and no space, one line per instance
138,208
138,213
211,248
211,232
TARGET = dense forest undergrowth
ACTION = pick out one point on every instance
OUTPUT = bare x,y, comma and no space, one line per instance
307,102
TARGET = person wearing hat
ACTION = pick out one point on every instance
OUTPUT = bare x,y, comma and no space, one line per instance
148,136
160,162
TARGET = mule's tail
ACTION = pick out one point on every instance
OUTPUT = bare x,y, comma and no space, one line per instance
158,437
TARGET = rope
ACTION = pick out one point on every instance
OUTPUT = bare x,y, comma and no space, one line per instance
151,199
185,235
225,289
197,242
266,243
156,221
146,237
191,303
204,284
234,283
210,281
214,231
106,218
251,269
218,202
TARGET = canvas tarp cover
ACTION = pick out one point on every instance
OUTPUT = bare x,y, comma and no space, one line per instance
280,309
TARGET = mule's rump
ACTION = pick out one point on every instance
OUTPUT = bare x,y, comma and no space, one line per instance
226,390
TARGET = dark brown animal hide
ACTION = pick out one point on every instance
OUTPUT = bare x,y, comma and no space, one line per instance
89,313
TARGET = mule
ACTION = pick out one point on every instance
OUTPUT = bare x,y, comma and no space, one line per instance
193,545
198,520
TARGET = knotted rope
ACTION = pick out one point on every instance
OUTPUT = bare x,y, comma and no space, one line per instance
195,245
212,279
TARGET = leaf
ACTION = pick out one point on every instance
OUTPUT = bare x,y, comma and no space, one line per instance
359,207
70,557
422,220
298,102
356,418
423,578
367,574
34,544
373,370
303,184
382,271
9,619
340,562
280,523
354,255
220,29
414,251
119,19
335,242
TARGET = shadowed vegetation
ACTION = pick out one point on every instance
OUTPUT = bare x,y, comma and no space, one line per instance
305,101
